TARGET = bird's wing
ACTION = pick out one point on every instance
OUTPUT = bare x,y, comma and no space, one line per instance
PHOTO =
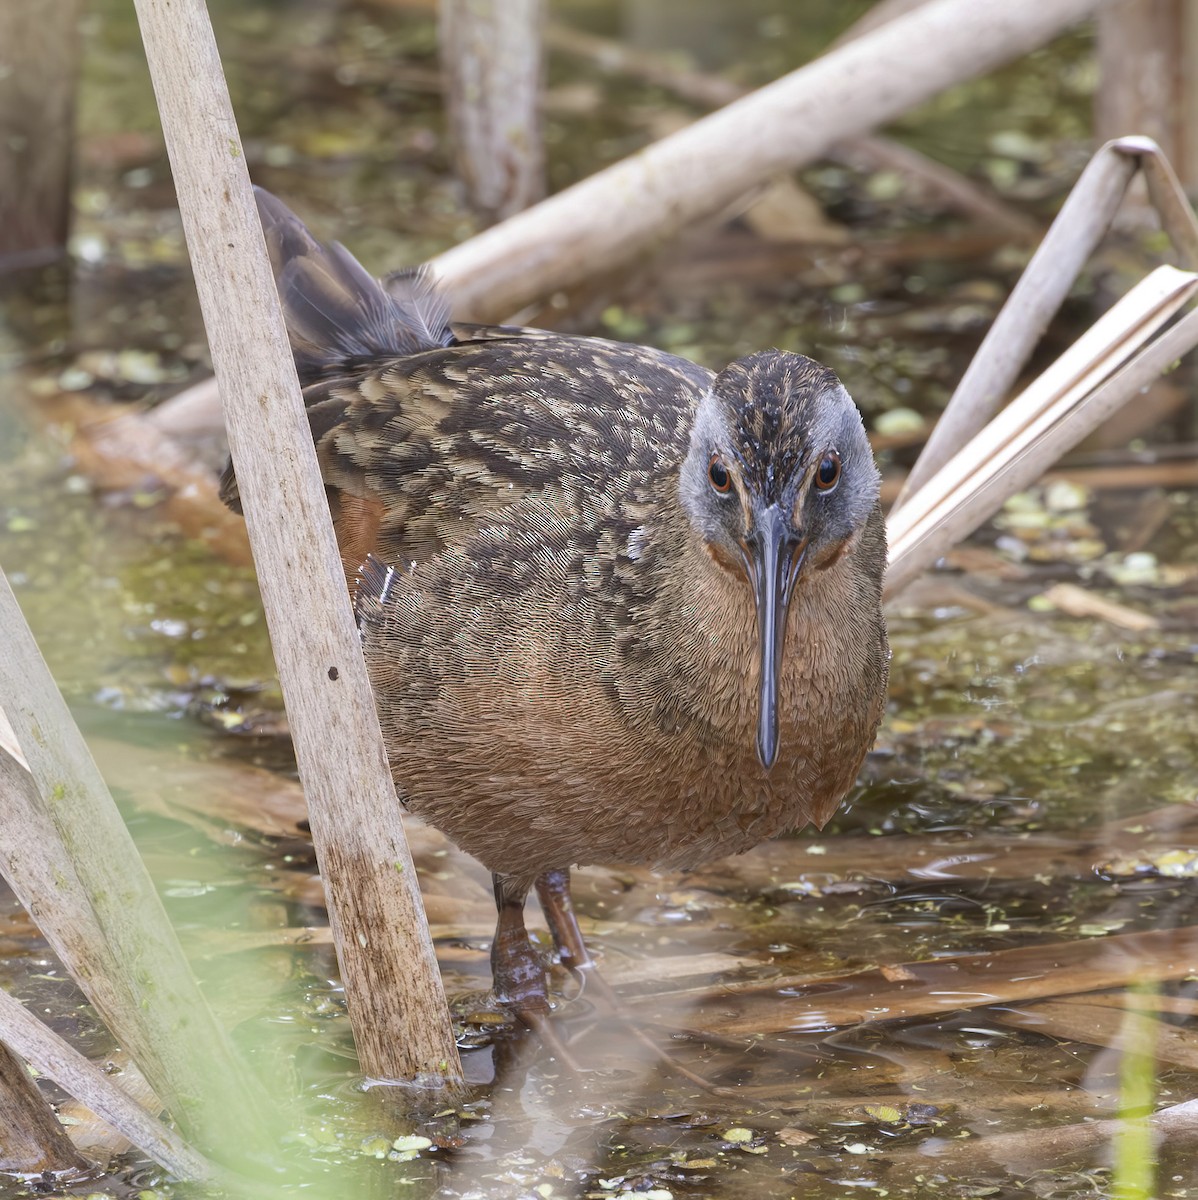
426,431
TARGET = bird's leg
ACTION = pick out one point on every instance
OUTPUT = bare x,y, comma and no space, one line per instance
516,967
517,972
553,891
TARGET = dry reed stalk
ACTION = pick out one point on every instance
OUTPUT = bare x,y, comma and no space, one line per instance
1077,602
877,153
954,502
71,861
39,70
619,214
393,989
91,1135
491,54
1084,217
55,1058
32,1140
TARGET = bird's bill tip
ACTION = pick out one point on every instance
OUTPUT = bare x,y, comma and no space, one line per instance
767,737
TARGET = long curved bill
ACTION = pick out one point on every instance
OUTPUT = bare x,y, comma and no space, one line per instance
773,553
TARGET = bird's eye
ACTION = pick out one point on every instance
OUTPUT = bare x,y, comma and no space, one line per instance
717,475
827,474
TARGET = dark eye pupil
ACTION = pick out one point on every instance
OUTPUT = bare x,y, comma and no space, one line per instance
829,471
718,474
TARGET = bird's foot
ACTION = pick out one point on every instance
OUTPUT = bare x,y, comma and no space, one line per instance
519,976
517,971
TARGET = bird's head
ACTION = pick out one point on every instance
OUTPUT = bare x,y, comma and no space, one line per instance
778,479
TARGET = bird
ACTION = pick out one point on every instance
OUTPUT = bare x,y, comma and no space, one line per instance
615,607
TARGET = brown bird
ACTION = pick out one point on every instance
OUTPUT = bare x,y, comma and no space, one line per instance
615,607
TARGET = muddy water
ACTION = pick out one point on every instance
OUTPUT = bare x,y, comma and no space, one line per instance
928,998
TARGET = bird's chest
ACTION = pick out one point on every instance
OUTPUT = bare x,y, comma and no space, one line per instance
682,770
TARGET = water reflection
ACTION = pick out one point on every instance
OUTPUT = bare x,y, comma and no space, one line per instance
949,867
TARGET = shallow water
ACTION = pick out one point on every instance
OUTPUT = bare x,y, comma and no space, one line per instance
1031,801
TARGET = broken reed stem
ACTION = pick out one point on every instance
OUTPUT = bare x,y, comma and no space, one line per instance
979,499
621,213
1168,197
875,153
55,1058
393,988
31,1138
76,841
1084,218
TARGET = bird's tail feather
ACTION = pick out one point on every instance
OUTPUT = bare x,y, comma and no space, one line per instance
338,315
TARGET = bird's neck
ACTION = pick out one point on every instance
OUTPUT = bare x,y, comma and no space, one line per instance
703,666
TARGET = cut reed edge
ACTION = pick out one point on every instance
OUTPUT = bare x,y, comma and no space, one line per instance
1111,342
1041,289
